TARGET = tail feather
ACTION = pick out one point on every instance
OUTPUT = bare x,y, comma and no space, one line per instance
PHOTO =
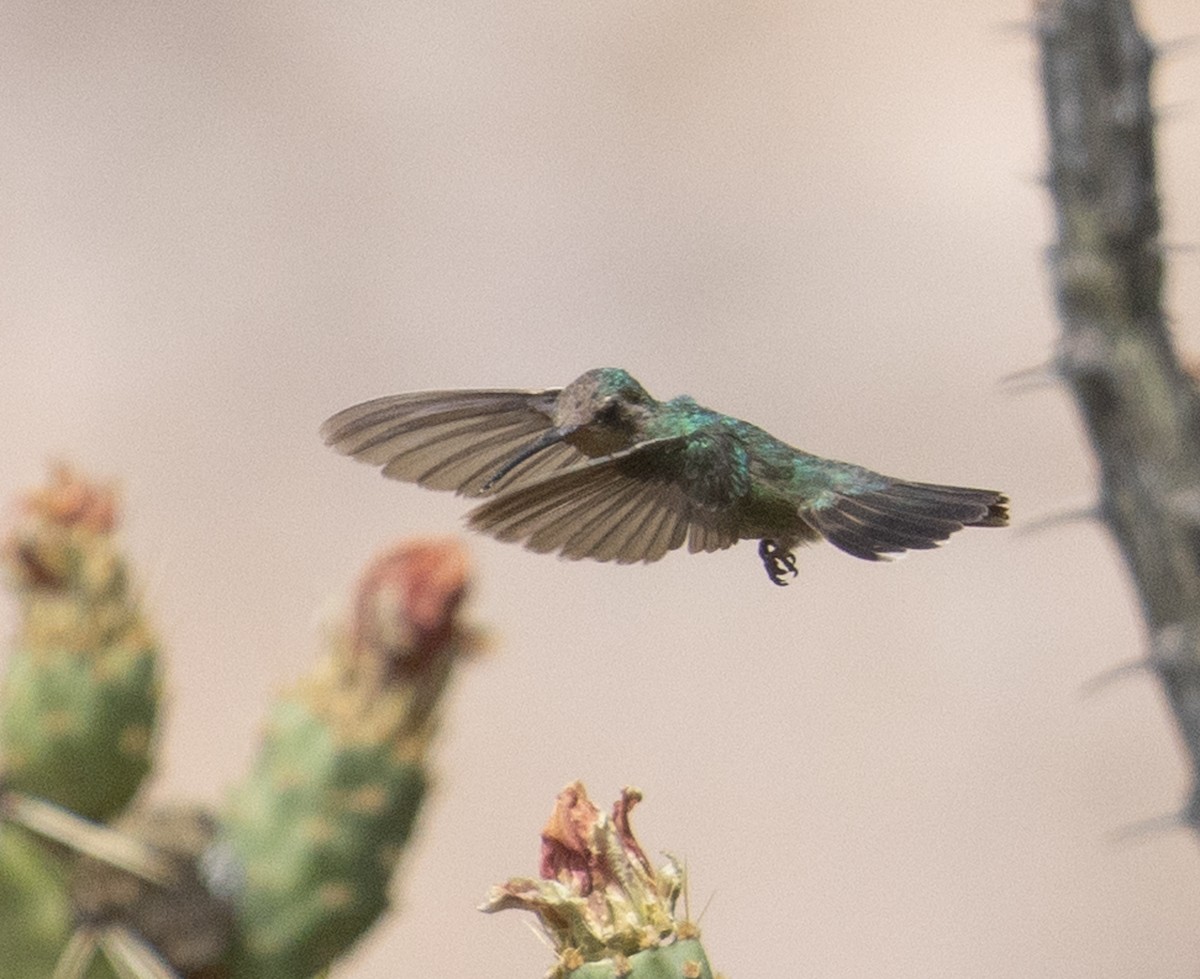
895,519
904,516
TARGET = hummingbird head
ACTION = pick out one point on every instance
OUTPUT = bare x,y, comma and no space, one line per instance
602,411
599,413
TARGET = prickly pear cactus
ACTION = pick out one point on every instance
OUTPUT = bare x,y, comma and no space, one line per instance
300,862
35,918
607,912
79,704
320,823
683,959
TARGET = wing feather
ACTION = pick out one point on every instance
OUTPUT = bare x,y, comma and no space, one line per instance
590,533
625,507
591,512
647,539
518,517
451,440
633,538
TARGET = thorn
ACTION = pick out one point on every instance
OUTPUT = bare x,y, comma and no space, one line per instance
131,957
1175,46
1110,676
83,836
1169,653
1083,354
704,910
77,957
1039,179
1170,111
1057,518
1014,28
1191,815
1031,378
1165,823
539,934
1179,247
1170,650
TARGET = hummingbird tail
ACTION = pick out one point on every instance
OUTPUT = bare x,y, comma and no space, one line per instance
904,516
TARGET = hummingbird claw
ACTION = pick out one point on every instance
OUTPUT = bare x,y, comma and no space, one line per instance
778,560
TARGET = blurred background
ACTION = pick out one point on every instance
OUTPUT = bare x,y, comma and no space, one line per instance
220,222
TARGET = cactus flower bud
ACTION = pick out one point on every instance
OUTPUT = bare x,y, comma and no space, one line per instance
79,704
606,910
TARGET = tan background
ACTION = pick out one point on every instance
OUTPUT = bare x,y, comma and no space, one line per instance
220,222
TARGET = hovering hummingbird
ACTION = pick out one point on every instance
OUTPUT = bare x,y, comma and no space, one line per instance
600,469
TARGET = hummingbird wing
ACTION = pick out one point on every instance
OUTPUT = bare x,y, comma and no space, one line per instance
451,440
882,516
626,507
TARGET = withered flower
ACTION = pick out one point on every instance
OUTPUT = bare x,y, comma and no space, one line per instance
599,897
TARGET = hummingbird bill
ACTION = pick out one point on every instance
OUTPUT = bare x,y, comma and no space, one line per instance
600,469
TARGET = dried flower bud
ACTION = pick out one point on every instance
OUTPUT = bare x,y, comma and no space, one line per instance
63,537
70,500
405,604
599,897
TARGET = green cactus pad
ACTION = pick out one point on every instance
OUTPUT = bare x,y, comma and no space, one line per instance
35,917
77,727
321,823
318,828
680,960
79,704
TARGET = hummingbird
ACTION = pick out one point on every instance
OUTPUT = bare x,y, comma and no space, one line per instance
600,469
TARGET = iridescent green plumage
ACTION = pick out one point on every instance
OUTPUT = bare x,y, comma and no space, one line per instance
600,469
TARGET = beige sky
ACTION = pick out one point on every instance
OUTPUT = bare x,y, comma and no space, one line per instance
220,222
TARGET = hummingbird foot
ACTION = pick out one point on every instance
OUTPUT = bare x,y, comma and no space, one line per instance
777,559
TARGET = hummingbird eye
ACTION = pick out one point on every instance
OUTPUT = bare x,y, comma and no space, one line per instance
609,413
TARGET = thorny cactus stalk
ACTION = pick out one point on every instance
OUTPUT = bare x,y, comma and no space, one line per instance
606,911
320,823
1116,352
79,704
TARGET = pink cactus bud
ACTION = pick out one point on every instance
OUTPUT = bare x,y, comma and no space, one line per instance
405,604
70,500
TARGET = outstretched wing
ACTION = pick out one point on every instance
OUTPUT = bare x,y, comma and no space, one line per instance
634,505
893,515
451,440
